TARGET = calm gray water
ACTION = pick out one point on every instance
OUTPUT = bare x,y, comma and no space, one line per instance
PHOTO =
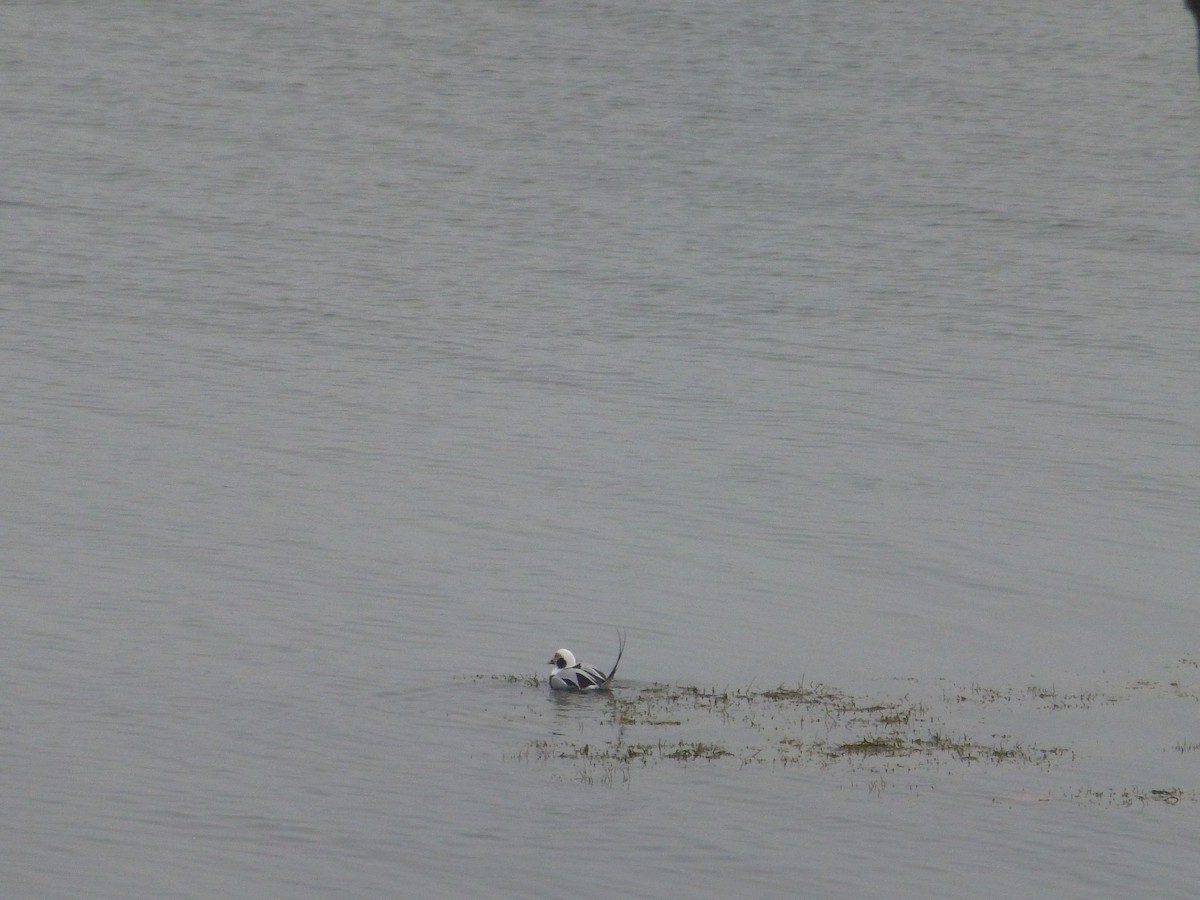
351,349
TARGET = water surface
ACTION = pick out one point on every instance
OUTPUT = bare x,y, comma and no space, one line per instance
354,350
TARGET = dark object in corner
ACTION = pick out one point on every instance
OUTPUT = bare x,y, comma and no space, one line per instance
1194,6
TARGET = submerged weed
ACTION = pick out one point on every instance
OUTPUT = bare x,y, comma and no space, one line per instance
869,739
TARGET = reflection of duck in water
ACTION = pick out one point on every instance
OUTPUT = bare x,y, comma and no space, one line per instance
1194,6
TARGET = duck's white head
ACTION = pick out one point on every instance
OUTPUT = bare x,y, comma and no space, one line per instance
562,659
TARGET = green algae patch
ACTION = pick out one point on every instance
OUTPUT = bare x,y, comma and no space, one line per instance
893,745
946,733
629,730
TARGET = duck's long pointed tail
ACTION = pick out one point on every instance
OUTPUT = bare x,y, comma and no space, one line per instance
620,650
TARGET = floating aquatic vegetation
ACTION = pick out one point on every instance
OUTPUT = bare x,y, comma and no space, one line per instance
782,727
1130,796
608,739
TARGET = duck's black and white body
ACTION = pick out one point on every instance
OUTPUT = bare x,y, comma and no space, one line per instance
570,675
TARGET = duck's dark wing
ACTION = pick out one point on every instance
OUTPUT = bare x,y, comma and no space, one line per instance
577,678
589,677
